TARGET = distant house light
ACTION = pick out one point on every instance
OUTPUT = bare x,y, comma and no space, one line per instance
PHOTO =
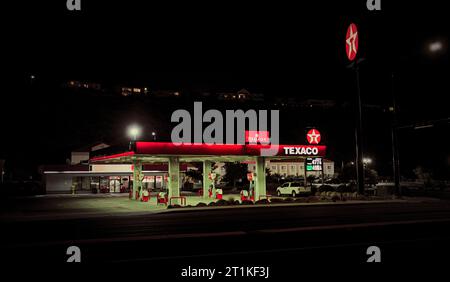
126,91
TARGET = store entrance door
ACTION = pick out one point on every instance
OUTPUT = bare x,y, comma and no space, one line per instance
114,186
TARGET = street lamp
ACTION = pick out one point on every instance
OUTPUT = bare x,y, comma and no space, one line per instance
134,131
432,48
154,136
435,47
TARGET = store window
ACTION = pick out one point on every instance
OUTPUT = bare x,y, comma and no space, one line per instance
149,182
95,184
103,184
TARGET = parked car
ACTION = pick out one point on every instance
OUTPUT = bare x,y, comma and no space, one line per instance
293,189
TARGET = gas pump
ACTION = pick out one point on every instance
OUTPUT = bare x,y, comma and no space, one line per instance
212,193
251,177
141,177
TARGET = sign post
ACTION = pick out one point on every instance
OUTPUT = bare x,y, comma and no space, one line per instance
313,164
351,49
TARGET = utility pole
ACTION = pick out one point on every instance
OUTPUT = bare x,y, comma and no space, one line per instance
395,158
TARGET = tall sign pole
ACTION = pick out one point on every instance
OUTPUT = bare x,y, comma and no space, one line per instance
351,49
395,159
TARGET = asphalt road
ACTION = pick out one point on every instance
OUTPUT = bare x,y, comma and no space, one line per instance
269,236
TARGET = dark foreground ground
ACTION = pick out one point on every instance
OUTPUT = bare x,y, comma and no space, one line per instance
288,240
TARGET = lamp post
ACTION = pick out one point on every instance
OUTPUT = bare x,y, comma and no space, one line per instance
154,136
395,158
432,49
133,132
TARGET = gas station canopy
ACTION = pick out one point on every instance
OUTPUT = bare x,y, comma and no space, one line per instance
172,153
160,151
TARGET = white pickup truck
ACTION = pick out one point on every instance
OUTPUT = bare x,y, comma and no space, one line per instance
293,189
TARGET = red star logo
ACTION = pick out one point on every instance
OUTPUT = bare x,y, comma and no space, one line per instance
313,136
351,42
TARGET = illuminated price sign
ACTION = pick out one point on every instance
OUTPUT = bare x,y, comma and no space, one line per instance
255,137
313,164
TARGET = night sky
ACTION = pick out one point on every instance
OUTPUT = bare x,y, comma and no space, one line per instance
282,50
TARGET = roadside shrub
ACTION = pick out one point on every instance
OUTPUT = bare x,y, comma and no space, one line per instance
276,200
344,188
312,199
325,188
262,202
385,190
174,206
246,202
363,198
221,203
230,199
335,197
212,204
201,205
300,200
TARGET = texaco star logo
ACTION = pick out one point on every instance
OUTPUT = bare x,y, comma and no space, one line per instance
351,42
313,136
